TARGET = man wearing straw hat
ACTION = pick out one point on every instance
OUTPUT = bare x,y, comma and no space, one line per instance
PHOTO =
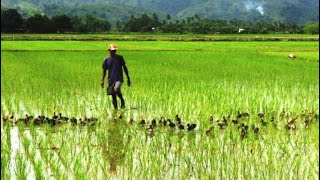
114,64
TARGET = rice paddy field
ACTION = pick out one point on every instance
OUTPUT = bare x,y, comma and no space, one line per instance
255,111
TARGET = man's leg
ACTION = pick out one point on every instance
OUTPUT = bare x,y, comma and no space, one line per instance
117,90
122,100
114,101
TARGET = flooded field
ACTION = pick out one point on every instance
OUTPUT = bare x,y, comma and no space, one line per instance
195,110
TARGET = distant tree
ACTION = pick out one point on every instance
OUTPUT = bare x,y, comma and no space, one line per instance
194,24
196,17
40,24
141,24
78,24
293,28
168,17
278,26
62,23
11,20
94,24
155,19
119,26
311,28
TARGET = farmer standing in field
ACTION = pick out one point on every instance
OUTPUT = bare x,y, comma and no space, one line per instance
114,64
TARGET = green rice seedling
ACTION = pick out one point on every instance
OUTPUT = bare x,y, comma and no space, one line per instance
192,79
5,154
21,169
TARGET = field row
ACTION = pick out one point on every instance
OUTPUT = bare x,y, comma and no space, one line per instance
161,37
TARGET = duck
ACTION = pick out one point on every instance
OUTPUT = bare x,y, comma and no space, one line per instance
241,125
306,122
282,113
150,127
256,130
239,115
272,119
245,127
244,134
37,121
234,121
53,122
62,117
264,123
244,131
191,127
5,118
20,120
261,115
303,113
54,116
92,119
171,124
142,122
221,124
42,117
211,118
208,131
164,122
178,119
225,121
289,126
131,121
92,123
153,124
292,120
27,119
12,117
73,121
245,114
46,120
83,122
180,126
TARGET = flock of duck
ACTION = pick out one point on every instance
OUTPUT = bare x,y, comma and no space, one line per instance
239,121
54,120
165,122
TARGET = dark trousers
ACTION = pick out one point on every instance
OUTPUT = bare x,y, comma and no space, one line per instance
114,100
117,92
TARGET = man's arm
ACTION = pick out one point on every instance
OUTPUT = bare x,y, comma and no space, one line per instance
127,74
102,78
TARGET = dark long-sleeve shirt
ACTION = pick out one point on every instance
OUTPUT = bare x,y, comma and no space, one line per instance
114,66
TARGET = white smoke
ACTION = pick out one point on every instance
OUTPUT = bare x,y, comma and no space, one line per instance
250,5
260,9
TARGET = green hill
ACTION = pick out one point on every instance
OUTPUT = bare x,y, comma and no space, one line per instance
297,11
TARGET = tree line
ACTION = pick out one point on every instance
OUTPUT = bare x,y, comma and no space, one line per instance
13,22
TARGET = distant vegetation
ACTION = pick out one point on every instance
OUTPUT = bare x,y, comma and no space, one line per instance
12,21
297,11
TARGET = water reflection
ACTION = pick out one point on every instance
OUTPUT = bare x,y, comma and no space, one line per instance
115,142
